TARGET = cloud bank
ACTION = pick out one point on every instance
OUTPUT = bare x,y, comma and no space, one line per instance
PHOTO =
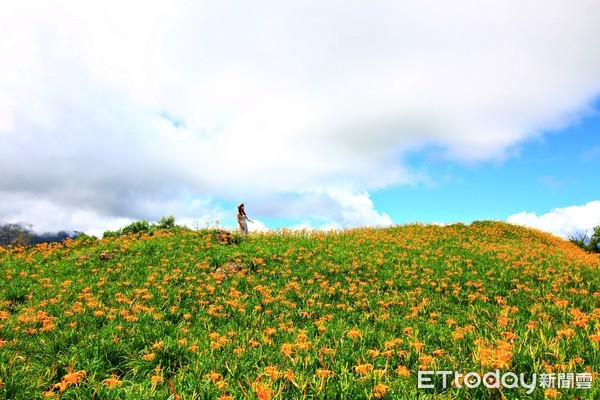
565,222
111,112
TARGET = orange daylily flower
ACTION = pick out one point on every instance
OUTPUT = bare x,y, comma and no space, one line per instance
112,382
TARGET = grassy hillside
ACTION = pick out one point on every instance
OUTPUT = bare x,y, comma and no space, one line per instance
353,315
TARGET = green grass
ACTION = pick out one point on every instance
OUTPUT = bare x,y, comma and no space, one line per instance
354,314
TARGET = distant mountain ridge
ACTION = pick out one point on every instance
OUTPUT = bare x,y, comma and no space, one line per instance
18,234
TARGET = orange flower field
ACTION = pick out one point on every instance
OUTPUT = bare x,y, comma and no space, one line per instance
354,314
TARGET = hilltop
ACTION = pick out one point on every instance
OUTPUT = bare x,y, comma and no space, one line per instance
349,314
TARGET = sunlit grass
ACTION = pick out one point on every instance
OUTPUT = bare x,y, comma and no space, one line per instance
353,314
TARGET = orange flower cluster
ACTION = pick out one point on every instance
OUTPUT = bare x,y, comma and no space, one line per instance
492,356
69,379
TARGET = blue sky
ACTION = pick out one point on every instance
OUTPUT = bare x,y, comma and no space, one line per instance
557,170
315,115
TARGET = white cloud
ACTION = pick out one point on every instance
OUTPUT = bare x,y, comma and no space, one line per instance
565,222
257,226
93,217
356,209
334,207
304,226
121,110
45,216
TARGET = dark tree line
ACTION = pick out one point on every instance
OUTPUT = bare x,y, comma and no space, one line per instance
18,235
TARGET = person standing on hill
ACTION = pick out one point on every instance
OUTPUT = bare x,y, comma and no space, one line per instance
242,218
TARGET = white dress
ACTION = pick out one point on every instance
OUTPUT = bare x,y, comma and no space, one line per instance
242,221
